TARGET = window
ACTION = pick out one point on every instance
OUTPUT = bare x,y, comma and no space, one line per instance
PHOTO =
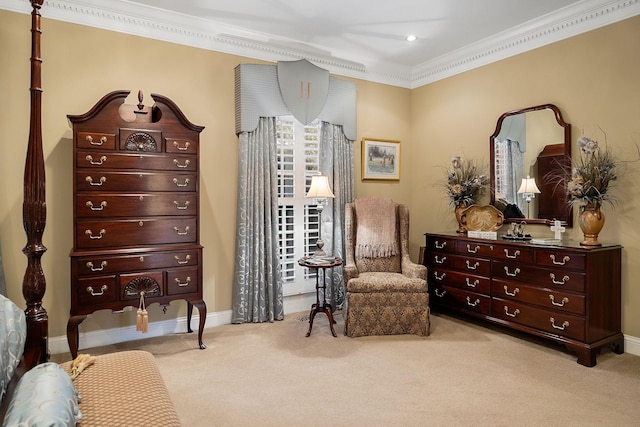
298,160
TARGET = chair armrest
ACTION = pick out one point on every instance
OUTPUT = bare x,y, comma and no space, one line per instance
350,271
413,270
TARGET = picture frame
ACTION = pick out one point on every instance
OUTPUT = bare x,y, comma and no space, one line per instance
380,159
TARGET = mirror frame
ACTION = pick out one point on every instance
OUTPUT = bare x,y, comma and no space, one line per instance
567,155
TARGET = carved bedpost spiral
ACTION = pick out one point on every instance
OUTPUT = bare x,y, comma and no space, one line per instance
34,209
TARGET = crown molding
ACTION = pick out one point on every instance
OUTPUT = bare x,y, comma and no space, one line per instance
131,18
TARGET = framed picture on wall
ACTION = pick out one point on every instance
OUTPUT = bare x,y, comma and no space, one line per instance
380,159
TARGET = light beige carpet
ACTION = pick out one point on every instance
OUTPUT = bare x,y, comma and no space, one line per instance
463,374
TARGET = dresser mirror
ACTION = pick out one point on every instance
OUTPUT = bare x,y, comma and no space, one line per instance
532,142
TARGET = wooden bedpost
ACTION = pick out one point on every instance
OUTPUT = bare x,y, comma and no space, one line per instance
34,207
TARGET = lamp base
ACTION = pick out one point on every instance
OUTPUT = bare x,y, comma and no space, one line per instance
319,253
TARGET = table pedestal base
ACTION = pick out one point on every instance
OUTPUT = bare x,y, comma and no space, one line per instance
321,308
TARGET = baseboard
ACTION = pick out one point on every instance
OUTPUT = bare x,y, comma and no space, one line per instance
57,345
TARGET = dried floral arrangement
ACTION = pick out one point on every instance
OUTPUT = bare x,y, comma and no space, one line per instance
465,182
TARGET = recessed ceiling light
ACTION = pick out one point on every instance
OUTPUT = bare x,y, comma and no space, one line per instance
411,38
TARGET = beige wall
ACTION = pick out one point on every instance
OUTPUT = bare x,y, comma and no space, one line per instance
446,118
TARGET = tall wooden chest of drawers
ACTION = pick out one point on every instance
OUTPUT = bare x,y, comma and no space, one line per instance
135,212
569,294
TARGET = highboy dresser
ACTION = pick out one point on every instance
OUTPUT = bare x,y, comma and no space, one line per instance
136,204
569,294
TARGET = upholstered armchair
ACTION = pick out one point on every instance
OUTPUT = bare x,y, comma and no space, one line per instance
386,293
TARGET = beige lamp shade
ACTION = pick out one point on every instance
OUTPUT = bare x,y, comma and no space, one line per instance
528,186
320,188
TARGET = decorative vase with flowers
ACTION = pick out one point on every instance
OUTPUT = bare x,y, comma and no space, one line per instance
465,183
589,185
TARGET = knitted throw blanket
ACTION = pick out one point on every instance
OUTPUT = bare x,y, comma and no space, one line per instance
376,230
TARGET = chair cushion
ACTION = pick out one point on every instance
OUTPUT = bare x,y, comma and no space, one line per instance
385,282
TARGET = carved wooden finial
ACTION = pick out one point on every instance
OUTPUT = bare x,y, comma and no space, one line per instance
140,97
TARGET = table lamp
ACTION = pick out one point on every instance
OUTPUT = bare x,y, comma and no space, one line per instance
320,191
528,189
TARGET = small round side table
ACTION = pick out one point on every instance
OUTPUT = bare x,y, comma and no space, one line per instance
321,306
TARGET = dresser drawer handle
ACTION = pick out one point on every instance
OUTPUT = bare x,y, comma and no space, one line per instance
186,259
563,262
183,207
514,256
511,294
182,285
514,274
103,264
439,278
475,266
514,314
177,163
177,145
181,233
472,285
564,326
103,204
97,294
102,180
186,182
564,280
440,294
474,250
90,140
472,304
440,260
440,245
92,237
99,162
558,304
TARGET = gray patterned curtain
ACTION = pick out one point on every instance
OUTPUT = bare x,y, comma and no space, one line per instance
257,287
336,161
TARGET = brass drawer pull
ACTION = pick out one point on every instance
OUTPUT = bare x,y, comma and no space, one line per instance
435,274
102,180
564,326
558,304
440,294
440,260
511,294
177,145
472,285
514,314
514,256
96,208
474,251
563,262
182,285
186,182
103,264
97,294
181,233
473,304
475,266
91,162
564,280
514,274
440,245
177,163
92,237
89,139
183,207
186,259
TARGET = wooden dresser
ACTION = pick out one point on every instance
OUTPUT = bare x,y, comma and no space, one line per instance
569,294
135,210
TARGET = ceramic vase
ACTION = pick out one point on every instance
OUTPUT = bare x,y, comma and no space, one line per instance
591,221
460,207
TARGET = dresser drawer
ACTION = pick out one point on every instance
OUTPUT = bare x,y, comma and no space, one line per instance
461,280
557,279
134,284
103,264
92,160
184,145
476,266
133,181
97,290
461,299
96,140
554,322
515,253
182,281
103,234
562,259
474,248
102,205
441,244
557,300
